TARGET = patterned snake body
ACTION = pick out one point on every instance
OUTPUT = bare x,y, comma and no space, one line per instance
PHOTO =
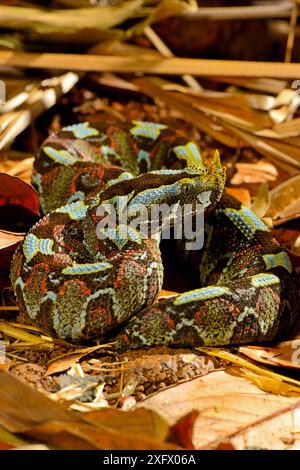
75,285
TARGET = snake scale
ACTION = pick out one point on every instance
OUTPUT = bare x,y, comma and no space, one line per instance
76,286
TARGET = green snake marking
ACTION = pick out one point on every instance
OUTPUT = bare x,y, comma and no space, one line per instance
279,259
33,246
261,280
82,130
78,286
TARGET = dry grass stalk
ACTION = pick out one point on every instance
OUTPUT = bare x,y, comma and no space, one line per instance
39,100
167,66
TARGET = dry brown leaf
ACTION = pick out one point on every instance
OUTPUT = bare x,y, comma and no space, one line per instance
285,354
82,435
241,194
265,85
283,130
8,239
26,411
194,116
285,156
68,360
285,199
151,424
230,407
7,438
266,379
117,47
18,168
260,172
182,431
243,117
261,202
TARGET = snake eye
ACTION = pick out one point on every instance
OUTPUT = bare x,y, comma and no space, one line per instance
185,187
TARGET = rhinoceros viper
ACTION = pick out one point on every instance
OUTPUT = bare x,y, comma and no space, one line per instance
77,286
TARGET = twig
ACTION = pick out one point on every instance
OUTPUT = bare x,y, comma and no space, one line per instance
274,10
168,65
9,308
292,32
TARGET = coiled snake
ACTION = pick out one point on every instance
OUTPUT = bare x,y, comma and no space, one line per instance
75,285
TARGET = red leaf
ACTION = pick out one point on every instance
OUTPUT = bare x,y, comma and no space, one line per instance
19,204
182,432
19,210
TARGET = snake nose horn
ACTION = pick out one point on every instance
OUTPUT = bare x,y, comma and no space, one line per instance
216,159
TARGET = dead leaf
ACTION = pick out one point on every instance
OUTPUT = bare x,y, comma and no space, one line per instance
83,436
19,204
9,440
182,432
230,407
68,360
147,421
274,382
284,354
260,172
285,200
194,116
261,202
29,413
241,194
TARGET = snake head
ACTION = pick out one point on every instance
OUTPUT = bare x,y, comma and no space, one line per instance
196,183
204,183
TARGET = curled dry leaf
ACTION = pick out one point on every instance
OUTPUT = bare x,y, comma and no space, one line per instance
68,360
285,200
285,354
260,172
18,203
19,210
282,354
